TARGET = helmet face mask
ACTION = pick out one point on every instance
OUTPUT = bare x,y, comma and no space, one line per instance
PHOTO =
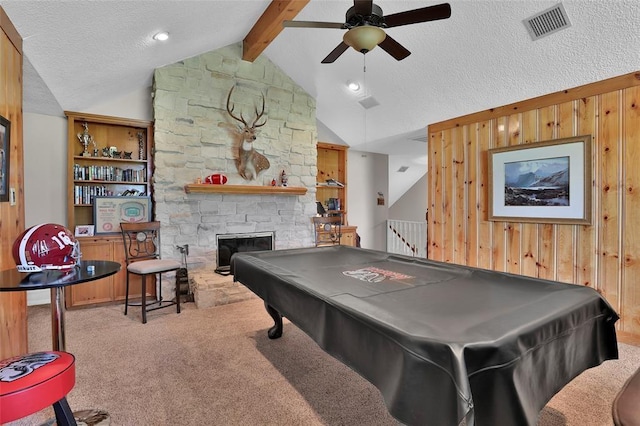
46,246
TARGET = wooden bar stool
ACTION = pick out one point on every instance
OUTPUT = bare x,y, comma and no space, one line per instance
34,381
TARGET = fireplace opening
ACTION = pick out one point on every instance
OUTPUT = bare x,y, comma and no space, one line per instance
228,244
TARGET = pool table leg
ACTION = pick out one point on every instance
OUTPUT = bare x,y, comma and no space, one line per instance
275,331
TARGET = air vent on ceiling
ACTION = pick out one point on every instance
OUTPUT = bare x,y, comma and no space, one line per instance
422,139
547,22
403,169
369,102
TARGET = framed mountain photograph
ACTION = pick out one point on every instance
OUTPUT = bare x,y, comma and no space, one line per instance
545,182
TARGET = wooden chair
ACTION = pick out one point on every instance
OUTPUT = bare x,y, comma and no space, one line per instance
327,230
34,381
142,251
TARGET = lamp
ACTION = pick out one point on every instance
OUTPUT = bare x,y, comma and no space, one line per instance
364,38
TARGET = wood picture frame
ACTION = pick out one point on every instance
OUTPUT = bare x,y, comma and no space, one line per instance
85,230
5,157
542,182
108,212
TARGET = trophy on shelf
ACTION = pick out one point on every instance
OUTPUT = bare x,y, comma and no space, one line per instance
85,139
141,146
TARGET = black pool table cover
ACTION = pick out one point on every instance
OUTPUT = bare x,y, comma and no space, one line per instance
443,343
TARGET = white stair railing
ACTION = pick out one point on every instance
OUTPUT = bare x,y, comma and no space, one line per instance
406,237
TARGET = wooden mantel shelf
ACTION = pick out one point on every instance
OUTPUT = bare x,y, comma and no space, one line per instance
205,188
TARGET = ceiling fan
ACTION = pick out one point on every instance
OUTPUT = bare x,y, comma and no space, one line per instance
365,22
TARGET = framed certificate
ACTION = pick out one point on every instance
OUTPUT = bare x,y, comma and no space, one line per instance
108,212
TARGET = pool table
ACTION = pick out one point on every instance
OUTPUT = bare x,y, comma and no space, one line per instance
443,343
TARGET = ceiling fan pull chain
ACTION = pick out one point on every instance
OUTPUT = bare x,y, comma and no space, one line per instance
366,94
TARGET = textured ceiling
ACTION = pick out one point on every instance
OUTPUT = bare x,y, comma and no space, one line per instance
84,53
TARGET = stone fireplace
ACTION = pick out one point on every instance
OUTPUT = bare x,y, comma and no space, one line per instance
195,137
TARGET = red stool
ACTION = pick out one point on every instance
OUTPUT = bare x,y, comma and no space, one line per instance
31,382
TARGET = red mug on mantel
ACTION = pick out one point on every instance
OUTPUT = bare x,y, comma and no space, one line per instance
216,179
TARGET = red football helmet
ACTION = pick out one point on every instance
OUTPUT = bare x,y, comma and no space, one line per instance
46,246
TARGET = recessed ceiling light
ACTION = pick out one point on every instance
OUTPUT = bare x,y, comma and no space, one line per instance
353,86
162,36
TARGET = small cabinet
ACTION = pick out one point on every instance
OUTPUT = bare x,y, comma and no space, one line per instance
348,237
108,289
106,156
94,292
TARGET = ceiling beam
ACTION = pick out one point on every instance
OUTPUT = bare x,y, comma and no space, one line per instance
269,26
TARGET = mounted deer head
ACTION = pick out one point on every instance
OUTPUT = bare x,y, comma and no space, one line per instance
248,162
248,131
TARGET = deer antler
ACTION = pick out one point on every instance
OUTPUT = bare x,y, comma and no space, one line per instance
230,110
241,119
254,125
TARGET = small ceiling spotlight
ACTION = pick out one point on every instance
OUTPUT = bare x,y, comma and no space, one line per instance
162,36
353,86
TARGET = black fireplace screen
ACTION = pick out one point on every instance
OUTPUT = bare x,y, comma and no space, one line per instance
228,244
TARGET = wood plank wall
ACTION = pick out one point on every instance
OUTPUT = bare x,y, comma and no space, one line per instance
604,255
13,320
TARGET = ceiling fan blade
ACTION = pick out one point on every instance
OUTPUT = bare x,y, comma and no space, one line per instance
394,48
335,53
312,24
429,13
363,7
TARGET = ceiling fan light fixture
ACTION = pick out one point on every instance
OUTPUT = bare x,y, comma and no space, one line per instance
364,38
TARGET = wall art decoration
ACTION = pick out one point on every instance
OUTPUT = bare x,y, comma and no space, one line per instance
545,182
108,212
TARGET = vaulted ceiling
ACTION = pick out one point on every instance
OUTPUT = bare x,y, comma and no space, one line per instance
79,54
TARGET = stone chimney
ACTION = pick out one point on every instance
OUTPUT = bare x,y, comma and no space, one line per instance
195,137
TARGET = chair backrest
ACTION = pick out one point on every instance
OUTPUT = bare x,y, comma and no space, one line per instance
327,230
141,240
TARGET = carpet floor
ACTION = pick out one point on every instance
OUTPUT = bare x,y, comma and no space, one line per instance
216,366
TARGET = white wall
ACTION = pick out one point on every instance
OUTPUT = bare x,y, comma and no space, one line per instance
412,206
367,174
136,105
45,168
326,135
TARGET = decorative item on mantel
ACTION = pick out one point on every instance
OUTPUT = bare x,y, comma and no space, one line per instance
85,139
283,178
249,162
216,179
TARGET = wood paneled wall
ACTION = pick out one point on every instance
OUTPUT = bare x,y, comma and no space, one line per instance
604,255
13,319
